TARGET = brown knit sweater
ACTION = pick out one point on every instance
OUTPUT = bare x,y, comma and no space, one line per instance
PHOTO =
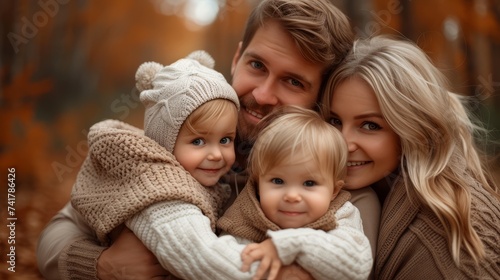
412,243
126,172
244,218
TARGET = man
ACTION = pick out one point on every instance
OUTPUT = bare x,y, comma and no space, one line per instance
288,48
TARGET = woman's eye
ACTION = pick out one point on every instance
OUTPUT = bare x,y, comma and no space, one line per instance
371,126
295,83
225,140
309,183
277,181
198,142
335,122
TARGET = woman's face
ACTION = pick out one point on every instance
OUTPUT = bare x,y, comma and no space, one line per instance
374,148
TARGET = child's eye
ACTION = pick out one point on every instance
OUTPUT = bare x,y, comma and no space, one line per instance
309,183
198,142
277,181
225,140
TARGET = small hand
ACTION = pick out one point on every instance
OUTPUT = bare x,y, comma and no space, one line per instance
268,256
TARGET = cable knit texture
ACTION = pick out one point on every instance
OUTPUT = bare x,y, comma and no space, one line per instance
181,238
171,93
412,242
341,253
245,218
126,172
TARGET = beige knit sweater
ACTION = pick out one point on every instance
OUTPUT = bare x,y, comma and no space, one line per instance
125,172
129,178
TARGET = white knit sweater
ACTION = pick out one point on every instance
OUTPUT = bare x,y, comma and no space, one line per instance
181,237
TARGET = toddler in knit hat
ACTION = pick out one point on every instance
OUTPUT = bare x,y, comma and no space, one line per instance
163,182
191,111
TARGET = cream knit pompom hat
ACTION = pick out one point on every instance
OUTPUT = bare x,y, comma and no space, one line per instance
171,93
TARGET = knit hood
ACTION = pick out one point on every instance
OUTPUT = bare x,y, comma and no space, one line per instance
125,172
245,217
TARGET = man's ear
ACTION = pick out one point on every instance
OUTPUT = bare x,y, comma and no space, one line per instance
337,187
236,57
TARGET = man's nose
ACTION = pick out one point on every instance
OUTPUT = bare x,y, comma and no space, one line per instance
266,93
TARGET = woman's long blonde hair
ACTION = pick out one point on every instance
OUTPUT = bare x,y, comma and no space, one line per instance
439,157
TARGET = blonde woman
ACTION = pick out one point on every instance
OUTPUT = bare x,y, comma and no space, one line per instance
411,139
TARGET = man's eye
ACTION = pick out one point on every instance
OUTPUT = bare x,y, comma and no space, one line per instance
198,142
257,64
277,181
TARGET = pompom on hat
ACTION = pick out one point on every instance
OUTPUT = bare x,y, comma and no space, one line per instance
171,93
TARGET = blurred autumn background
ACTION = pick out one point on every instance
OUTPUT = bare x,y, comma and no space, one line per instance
65,65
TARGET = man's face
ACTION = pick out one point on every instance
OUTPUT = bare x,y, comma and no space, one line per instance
272,72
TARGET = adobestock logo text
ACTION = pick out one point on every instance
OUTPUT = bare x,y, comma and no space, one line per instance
30,27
